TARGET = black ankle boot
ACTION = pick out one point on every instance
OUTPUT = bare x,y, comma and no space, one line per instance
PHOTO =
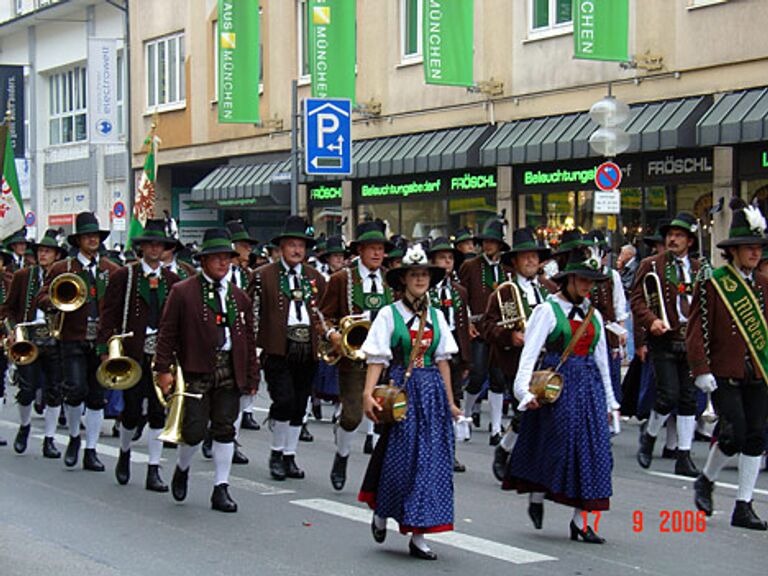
305,435
368,444
179,484
645,452
249,422
587,535
238,457
221,500
22,436
123,468
154,483
744,517
684,466
73,451
500,460
277,465
536,514
291,469
339,472
91,461
703,488
49,449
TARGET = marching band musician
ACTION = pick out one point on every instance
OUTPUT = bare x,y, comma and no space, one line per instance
506,342
409,476
17,245
451,298
726,349
357,290
134,303
563,451
21,306
78,338
481,276
172,261
287,292
207,328
666,344
6,276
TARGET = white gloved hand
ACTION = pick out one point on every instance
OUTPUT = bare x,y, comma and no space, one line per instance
706,383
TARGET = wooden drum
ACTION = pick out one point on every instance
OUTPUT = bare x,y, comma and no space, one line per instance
394,402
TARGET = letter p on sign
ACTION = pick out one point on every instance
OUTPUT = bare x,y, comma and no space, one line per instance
326,124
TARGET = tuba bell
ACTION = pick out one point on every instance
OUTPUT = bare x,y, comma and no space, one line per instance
68,292
175,402
23,351
118,372
653,295
511,310
354,331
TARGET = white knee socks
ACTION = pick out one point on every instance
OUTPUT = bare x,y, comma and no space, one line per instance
344,441
536,497
292,440
749,468
655,422
185,456
279,435
685,428
154,446
126,437
469,403
25,415
496,402
51,420
93,420
74,413
671,440
509,439
222,461
716,460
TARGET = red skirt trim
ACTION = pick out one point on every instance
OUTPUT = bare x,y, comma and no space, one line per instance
367,498
525,487
428,530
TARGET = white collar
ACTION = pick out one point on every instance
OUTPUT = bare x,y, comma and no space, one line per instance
523,281
745,275
491,262
288,268
365,272
683,259
224,281
85,261
148,270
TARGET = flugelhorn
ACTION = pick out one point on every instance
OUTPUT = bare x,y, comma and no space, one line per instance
23,351
68,292
511,310
175,401
354,331
654,296
118,372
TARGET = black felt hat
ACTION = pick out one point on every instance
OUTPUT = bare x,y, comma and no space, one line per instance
51,240
86,223
216,241
583,261
747,226
462,235
334,245
18,237
493,230
415,257
296,227
155,231
684,221
569,239
399,246
525,240
444,244
239,233
370,232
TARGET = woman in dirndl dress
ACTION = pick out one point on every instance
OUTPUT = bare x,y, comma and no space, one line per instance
410,474
563,452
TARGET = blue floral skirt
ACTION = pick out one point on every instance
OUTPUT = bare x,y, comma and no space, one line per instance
410,473
325,385
564,448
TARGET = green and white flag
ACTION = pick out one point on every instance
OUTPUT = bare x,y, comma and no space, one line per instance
11,205
239,61
144,200
448,42
601,30
332,51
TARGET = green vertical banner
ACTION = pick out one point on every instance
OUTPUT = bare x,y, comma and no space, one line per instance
238,61
332,50
601,30
448,42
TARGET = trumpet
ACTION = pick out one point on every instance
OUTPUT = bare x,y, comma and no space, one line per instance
653,295
175,402
118,372
68,293
512,311
22,351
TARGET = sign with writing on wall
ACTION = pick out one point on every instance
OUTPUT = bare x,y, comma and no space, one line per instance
753,162
477,181
12,97
102,90
325,193
607,202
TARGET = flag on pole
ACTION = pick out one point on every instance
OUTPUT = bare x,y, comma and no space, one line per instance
448,42
144,201
238,62
601,30
332,53
11,205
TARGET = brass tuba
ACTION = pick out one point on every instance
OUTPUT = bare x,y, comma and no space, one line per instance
68,292
23,351
175,402
118,372
354,331
512,311
653,295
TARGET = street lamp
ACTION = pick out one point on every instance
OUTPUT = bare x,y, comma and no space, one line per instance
608,113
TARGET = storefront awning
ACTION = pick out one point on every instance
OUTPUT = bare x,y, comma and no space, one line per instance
736,117
262,185
652,126
454,149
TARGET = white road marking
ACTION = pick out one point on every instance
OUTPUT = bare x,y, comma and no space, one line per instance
259,488
686,479
456,539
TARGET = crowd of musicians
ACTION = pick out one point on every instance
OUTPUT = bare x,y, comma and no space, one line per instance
404,340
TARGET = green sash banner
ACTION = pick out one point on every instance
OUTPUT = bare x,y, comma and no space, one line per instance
601,30
332,51
744,308
448,42
238,61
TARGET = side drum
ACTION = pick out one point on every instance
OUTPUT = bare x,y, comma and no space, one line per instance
394,403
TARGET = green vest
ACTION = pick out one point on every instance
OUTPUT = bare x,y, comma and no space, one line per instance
562,333
401,336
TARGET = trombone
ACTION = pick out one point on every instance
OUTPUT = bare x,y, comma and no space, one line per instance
175,403
653,295
512,311
68,292
118,372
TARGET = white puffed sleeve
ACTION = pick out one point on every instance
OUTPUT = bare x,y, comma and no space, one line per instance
377,346
601,359
541,323
447,346
619,298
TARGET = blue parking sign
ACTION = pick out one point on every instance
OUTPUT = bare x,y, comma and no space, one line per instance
328,136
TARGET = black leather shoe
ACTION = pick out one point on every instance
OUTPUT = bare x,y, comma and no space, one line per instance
207,446
379,535
744,517
22,436
500,460
221,501
123,468
476,419
238,457
587,535
91,461
39,408
339,472
536,514
154,483
458,466
417,552
291,469
305,435
684,466
179,484
645,452
368,445
73,452
277,465
494,439
317,411
669,453
49,449
249,422
703,489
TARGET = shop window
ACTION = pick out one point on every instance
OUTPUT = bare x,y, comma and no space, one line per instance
67,110
166,77
389,213
550,15
472,212
423,219
326,220
302,31
411,15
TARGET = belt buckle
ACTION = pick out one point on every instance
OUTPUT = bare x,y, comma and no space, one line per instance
150,344
683,330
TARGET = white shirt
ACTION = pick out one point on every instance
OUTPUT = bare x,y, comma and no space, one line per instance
498,274
686,262
239,278
293,318
529,289
619,298
368,282
378,344
87,267
39,314
146,269
540,325
450,313
223,299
